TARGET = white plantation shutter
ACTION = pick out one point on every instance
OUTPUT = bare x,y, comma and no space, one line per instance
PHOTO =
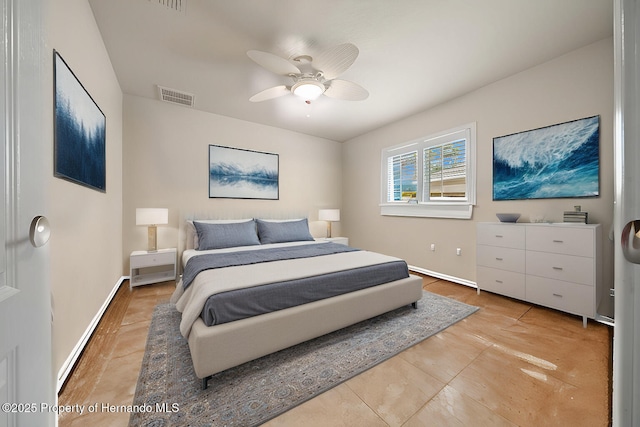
444,171
402,176
440,184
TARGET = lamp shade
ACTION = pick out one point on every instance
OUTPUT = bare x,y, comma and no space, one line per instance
329,214
308,89
152,216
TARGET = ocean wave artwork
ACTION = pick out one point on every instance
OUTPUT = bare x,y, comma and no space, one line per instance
242,174
558,161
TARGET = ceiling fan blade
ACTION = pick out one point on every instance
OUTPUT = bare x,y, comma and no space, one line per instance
335,60
273,63
272,92
346,90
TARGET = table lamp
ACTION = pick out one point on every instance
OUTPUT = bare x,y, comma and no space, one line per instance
329,215
152,217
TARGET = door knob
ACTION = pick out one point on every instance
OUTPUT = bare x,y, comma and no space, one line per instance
40,231
631,241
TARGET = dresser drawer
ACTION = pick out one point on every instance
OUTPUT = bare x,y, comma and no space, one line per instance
568,268
561,240
502,258
507,236
569,297
501,282
554,265
152,259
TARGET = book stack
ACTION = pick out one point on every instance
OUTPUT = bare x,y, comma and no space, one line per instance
576,216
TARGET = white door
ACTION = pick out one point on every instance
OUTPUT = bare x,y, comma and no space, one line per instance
26,375
626,338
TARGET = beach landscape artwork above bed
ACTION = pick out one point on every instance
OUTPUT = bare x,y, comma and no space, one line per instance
242,174
558,161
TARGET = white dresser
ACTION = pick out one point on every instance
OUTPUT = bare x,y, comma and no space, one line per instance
554,265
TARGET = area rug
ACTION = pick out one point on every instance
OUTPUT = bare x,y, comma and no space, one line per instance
169,394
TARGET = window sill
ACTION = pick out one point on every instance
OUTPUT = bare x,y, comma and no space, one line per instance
451,211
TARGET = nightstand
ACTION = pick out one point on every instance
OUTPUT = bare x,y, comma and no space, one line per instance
341,240
152,267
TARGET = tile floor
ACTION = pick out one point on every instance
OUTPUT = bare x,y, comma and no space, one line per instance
509,364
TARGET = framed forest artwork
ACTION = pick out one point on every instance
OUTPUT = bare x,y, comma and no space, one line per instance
79,131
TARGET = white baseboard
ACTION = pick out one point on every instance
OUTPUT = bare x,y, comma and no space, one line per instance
443,276
68,365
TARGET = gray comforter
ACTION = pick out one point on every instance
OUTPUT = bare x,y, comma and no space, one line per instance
192,300
242,303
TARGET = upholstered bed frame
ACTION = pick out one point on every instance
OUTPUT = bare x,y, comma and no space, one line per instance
220,347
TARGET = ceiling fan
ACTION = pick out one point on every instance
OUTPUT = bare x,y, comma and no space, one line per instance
312,76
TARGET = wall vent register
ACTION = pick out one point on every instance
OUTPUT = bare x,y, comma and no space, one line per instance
176,97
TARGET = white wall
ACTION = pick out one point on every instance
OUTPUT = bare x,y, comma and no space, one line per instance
86,240
166,149
577,85
157,155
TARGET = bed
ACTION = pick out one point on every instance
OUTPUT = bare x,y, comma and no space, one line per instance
253,287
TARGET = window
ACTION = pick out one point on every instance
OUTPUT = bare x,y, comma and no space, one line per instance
445,171
403,177
431,177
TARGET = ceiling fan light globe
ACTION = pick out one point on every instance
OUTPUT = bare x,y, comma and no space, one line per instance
308,90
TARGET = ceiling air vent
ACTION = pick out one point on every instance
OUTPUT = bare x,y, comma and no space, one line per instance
176,97
177,5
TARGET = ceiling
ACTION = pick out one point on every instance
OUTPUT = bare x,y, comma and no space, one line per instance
414,54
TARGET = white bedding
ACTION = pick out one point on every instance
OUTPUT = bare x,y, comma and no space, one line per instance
209,282
188,253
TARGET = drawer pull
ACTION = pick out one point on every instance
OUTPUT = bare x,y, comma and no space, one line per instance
557,295
498,259
558,268
498,281
499,236
558,241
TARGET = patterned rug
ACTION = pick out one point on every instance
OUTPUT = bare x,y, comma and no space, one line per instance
169,394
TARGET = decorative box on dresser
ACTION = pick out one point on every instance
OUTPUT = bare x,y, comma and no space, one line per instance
554,265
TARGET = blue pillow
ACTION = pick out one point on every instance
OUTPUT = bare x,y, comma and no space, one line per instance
283,231
219,236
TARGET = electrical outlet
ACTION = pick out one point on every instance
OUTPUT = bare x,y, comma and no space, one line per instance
458,251
433,246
